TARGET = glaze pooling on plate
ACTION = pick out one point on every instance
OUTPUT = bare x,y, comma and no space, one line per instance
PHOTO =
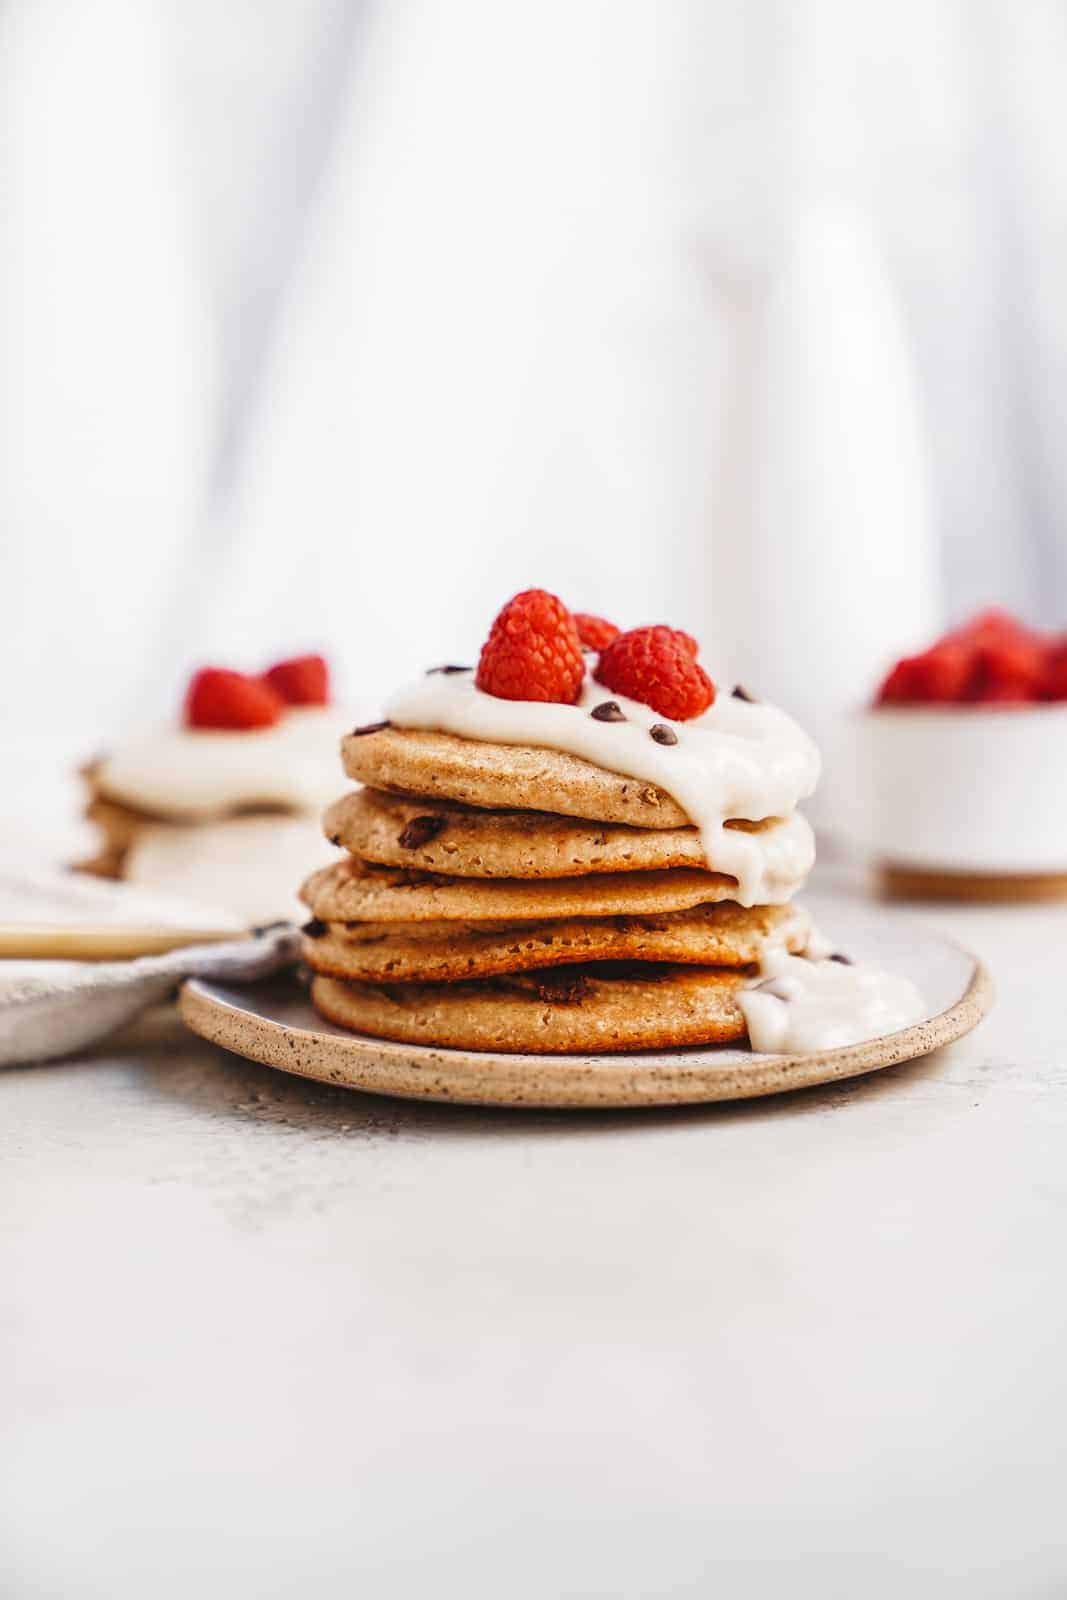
823,1002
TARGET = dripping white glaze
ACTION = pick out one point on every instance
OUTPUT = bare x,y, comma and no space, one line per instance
740,759
805,1003
784,854
194,773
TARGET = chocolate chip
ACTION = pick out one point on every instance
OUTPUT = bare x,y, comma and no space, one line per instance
562,989
608,711
335,839
370,727
840,956
447,669
419,831
662,734
739,692
314,929
397,993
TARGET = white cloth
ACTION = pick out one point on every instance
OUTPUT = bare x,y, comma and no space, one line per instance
50,1008
355,283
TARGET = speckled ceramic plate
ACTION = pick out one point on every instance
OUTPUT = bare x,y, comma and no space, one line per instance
274,1023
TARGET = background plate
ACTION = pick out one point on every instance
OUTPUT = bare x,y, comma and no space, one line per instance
274,1023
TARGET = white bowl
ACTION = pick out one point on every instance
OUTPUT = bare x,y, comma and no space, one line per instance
965,788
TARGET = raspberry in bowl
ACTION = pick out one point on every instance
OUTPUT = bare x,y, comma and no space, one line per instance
964,765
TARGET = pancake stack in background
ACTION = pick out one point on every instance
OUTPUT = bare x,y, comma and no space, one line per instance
505,897
221,804
244,860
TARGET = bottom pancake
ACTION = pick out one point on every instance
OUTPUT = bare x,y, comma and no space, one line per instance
724,935
572,1010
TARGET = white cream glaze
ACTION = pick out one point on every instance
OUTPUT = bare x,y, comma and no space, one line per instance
197,773
799,1004
739,759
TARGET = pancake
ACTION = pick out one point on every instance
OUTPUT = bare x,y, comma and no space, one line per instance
247,862
504,777
457,840
725,935
118,824
124,827
352,891
585,1010
105,864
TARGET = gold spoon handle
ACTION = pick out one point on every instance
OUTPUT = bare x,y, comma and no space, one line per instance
59,941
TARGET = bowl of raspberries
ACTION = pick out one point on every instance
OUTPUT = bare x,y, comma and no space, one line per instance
964,765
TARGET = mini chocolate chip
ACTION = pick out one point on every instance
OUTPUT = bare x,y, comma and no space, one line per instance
419,831
447,669
739,692
662,734
370,727
839,955
335,839
314,928
562,989
608,711
394,992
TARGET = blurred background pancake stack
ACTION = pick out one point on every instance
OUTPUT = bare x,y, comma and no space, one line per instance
514,924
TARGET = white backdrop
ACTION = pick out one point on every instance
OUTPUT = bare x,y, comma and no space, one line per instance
336,323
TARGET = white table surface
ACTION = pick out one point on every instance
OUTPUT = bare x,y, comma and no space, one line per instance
263,1338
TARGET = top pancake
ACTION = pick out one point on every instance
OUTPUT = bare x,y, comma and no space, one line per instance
504,777
448,837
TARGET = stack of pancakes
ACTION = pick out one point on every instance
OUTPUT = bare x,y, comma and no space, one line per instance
500,897
124,828
245,858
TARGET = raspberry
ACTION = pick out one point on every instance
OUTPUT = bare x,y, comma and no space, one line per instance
658,667
595,632
217,698
989,627
993,659
940,675
1054,673
1009,671
896,688
533,651
301,680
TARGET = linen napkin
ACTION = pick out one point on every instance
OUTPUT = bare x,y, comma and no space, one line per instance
50,1008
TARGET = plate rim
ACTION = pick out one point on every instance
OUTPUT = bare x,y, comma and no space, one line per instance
688,1076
